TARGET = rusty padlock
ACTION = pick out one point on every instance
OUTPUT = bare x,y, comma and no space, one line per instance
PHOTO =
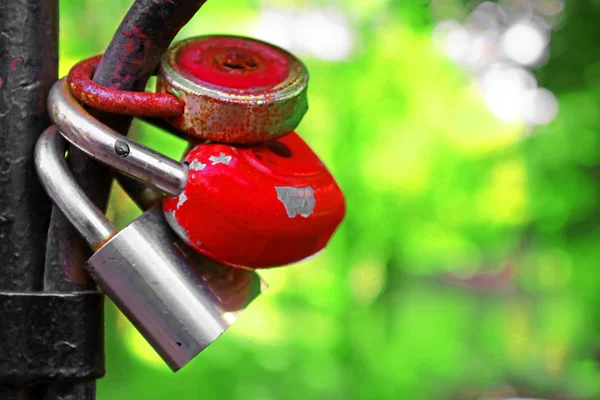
179,300
226,89
269,204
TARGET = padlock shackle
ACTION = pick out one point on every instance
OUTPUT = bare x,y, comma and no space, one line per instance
59,183
109,147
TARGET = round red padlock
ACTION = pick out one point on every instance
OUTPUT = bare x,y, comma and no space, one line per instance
236,90
257,207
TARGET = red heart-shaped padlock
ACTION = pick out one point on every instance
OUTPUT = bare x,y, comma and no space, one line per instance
257,207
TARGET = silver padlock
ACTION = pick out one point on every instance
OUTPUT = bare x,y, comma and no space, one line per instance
179,300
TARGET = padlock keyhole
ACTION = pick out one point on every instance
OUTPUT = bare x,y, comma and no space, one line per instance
240,65
239,61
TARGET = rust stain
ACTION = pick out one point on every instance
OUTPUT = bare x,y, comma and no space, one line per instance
139,32
260,89
116,101
13,63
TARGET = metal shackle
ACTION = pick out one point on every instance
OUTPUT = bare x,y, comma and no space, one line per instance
111,148
179,300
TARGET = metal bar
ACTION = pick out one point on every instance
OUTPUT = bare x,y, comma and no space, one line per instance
146,32
28,67
107,146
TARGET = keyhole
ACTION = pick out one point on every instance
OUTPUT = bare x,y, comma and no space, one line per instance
239,61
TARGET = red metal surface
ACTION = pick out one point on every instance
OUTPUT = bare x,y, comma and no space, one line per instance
119,101
233,62
236,90
258,207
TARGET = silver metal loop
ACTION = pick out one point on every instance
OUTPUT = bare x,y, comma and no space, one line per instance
180,301
109,147
60,185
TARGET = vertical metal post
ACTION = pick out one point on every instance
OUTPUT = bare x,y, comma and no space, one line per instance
28,67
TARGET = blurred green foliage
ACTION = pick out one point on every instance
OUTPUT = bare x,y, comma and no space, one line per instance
437,190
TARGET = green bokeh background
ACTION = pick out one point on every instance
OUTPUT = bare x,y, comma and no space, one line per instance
437,190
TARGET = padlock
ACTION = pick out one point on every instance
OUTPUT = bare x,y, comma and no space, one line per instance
225,89
277,202
179,300
236,90
257,207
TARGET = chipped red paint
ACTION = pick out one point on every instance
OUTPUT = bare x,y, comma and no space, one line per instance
236,90
119,101
13,63
233,211
137,31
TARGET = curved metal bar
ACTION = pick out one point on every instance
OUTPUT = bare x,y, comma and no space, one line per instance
57,180
107,146
116,101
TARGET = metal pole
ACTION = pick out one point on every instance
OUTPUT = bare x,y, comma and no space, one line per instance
28,67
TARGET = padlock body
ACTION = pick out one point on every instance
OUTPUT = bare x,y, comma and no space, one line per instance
179,300
236,90
257,207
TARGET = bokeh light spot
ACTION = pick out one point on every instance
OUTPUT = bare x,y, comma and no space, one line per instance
524,43
541,107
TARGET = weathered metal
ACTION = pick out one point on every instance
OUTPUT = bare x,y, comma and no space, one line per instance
50,339
115,101
257,207
145,33
236,90
175,298
28,67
